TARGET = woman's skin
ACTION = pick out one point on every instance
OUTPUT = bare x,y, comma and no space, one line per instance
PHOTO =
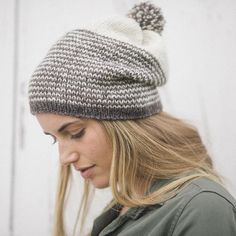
82,143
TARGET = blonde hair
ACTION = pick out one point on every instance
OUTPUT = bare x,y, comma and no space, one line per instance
145,150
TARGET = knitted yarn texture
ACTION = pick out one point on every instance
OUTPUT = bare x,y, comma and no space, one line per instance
105,70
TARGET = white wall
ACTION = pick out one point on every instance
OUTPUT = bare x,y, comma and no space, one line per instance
6,103
200,38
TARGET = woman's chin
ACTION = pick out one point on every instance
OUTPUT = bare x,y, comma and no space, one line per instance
99,184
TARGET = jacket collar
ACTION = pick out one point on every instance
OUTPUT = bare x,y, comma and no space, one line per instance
111,218
136,212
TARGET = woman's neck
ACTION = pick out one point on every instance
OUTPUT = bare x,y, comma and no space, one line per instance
123,210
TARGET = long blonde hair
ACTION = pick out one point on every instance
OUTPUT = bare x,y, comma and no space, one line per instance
145,150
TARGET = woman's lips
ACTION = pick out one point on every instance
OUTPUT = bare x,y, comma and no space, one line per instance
86,172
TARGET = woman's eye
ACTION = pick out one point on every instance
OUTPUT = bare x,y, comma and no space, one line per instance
78,135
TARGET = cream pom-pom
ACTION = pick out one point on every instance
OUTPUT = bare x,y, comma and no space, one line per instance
148,16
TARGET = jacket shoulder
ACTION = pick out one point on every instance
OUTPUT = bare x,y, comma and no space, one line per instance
207,208
207,185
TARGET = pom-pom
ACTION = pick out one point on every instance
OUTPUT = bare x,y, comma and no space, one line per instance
148,16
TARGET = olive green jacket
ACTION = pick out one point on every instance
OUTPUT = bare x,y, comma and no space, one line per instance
202,208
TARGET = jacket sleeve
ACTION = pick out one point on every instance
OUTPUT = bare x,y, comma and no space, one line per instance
207,214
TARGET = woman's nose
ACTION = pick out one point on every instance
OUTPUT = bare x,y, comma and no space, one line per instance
69,158
67,154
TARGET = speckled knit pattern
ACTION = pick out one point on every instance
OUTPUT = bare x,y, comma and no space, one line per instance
86,74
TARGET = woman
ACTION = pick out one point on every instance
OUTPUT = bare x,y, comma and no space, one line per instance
96,94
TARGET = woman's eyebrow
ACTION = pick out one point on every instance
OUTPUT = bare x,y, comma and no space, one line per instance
66,125
46,133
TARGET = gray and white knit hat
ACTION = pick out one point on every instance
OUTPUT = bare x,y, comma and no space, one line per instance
105,70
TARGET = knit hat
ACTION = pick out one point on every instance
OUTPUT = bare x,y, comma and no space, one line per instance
106,70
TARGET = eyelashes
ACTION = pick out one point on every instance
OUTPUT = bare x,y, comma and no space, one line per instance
74,136
78,135
54,140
